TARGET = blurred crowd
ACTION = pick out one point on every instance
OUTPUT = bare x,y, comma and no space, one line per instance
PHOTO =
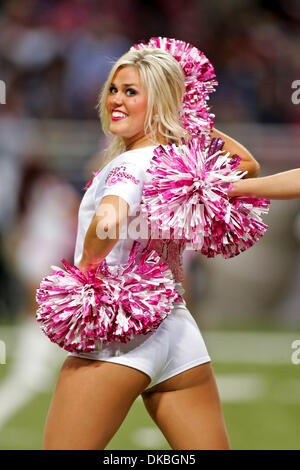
55,54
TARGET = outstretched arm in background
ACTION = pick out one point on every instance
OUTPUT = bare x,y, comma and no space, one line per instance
248,162
285,185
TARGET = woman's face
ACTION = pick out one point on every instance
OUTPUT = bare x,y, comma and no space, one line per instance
126,105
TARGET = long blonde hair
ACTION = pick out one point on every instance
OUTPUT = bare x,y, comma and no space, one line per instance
163,78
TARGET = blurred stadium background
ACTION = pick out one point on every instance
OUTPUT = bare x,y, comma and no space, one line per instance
54,57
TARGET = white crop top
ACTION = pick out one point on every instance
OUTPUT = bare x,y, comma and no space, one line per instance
124,176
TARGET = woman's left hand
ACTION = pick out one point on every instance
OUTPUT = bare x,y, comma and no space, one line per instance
84,268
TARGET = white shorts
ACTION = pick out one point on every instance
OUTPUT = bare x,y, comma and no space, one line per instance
175,346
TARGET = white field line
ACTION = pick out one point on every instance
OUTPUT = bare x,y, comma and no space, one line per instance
10,334
27,371
13,400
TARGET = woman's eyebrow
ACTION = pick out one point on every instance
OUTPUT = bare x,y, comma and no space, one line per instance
125,84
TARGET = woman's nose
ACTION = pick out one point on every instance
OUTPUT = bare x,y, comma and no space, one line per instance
117,98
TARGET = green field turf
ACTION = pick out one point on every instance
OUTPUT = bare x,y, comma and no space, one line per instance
261,404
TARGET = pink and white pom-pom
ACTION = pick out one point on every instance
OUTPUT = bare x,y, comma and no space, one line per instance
185,197
112,303
199,82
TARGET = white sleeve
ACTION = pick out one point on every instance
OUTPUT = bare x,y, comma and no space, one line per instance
125,179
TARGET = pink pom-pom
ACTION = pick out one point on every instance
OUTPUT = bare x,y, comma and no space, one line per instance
185,197
200,80
80,312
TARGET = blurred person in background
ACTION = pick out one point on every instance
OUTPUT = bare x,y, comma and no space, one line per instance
43,234
9,180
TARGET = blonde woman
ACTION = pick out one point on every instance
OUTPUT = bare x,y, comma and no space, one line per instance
170,367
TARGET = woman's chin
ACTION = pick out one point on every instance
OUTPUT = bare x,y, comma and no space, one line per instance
117,130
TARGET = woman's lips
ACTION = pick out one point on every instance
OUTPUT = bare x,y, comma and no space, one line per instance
113,118
117,116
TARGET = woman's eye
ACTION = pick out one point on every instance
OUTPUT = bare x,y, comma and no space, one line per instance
113,89
130,92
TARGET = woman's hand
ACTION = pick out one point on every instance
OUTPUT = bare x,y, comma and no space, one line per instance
84,267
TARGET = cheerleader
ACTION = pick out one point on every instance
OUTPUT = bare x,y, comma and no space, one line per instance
169,367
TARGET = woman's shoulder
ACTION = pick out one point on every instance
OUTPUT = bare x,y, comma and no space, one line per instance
135,156
135,160
137,153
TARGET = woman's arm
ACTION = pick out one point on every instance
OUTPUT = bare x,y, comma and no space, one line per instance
285,185
104,231
248,162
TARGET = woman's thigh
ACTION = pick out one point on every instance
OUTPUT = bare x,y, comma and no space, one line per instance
90,402
188,410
